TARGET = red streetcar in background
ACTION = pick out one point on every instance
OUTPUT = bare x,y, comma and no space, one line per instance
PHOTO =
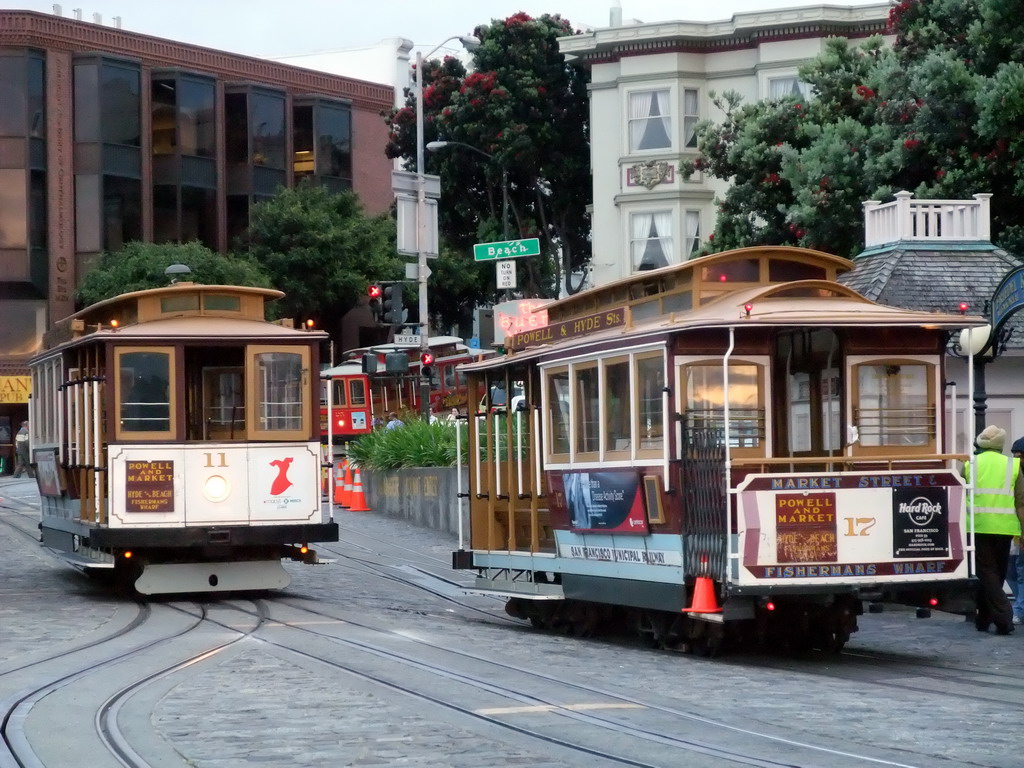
370,382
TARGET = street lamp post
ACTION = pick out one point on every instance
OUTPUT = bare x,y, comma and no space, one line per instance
469,43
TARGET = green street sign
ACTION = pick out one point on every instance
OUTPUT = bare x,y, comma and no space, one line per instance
507,249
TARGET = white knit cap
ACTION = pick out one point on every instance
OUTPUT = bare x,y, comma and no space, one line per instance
991,438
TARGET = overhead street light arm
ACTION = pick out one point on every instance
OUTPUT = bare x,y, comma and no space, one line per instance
434,146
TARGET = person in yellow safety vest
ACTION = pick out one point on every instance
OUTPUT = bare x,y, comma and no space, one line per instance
997,516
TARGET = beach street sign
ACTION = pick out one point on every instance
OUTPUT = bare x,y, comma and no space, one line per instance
506,249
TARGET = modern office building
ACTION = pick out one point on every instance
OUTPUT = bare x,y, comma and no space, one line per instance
650,86
108,136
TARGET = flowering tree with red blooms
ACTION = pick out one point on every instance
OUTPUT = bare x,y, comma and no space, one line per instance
527,108
939,113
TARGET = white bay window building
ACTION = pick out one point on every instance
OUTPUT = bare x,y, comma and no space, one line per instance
651,85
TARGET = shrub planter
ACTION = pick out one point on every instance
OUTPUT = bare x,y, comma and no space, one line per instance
425,496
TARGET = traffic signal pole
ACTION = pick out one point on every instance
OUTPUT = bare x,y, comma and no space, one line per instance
421,238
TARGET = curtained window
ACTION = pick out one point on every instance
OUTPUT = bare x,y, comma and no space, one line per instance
651,240
691,235
649,120
781,87
691,116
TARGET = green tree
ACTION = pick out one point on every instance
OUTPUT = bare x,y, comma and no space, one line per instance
938,114
139,266
528,109
322,250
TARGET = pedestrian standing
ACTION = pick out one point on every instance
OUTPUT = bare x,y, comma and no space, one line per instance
394,422
1015,574
22,459
996,518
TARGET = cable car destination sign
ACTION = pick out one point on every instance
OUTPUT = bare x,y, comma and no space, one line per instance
568,329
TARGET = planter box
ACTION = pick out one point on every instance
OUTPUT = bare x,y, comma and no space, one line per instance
425,496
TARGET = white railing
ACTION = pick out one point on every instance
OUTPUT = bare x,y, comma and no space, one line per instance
928,220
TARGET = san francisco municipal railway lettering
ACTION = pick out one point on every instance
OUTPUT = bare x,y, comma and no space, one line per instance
569,329
149,486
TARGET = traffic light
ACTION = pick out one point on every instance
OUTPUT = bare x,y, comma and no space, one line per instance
374,291
369,363
394,310
427,365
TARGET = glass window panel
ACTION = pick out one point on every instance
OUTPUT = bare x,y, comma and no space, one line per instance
224,399
800,412
196,117
164,115
238,216
302,139
334,142
691,116
37,209
705,401
199,216
120,103
165,213
784,271
13,96
279,391
22,324
268,126
87,102
738,271
617,406
13,209
145,385
893,407
222,303
449,376
650,120
88,232
558,410
587,410
236,127
340,393
36,97
182,303
357,389
650,380
122,212
830,409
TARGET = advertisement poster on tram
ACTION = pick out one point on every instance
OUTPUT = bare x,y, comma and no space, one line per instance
608,502
851,526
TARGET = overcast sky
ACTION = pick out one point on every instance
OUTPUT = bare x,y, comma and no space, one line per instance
290,27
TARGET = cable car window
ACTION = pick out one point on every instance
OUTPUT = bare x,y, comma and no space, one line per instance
736,271
183,303
617,406
587,409
786,271
357,388
223,403
893,405
221,303
705,402
277,393
144,392
558,411
650,384
340,401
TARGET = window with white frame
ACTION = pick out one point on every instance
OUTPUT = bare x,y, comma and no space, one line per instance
691,116
651,240
650,121
789,85
691,233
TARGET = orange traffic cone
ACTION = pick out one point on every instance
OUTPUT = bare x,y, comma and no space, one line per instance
346,498
339,484
704,600
357,501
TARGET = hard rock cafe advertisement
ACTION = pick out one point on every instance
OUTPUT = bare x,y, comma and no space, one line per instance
606,502
851,527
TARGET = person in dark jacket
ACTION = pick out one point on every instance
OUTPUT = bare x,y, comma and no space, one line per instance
22,456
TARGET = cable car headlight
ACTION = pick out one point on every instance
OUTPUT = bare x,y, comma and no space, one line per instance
216,488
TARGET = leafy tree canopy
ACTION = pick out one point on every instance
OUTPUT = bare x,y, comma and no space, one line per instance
322,250
139,266
938,114
527,108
